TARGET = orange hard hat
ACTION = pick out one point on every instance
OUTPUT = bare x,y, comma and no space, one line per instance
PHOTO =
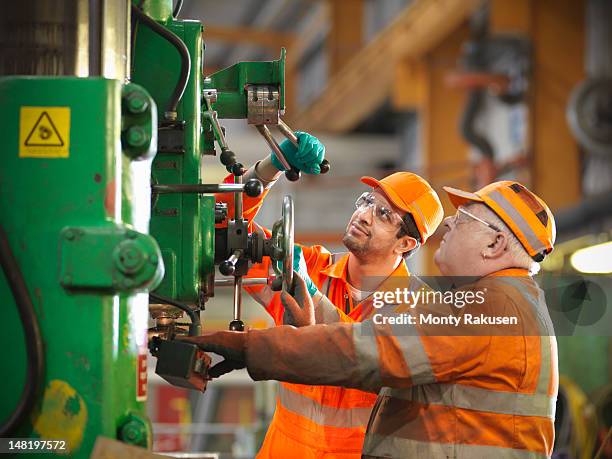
527,216
414,195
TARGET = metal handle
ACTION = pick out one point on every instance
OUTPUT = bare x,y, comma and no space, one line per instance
252,188
229,281
291,172
288,132
287,243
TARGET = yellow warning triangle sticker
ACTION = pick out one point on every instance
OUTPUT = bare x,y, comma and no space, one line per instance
44,133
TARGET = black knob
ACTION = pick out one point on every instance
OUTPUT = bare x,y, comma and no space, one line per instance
238,169
277,284
292,174
228,158
236,325
253,188
325,166
227,268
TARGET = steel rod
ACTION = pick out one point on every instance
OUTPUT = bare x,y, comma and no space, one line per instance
198,188
237,297
229,281
287,132
267,135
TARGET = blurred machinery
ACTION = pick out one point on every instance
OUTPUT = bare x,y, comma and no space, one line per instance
101,200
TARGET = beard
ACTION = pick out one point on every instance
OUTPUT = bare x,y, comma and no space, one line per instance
358,248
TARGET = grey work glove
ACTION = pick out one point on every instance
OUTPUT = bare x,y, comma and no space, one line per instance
299,308
228,344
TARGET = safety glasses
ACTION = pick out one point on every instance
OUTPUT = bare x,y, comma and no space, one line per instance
478,219
382,213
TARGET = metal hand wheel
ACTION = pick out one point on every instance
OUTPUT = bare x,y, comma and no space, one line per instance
283,240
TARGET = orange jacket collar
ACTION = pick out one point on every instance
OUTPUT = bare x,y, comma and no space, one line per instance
338,269
510,272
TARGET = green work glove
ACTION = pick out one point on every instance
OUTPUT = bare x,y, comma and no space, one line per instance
306,158
299,266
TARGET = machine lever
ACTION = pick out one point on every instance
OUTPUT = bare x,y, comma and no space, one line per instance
288,132
228,267
252,188
229,282
291,172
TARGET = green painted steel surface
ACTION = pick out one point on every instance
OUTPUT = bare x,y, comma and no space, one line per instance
178,222
230,84
94,336
184,224
160,10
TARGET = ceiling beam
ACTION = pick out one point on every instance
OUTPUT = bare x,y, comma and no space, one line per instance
265,38
366,81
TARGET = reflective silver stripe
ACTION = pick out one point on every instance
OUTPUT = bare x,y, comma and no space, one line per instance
395,447
333,259
322,414
548,341
518,219
415,356
479,399
366,354
325,311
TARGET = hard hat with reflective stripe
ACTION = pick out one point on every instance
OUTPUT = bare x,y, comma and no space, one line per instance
527,216
414,195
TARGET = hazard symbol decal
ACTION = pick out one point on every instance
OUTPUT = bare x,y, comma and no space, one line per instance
44,132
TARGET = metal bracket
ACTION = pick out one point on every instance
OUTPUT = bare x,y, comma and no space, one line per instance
109,258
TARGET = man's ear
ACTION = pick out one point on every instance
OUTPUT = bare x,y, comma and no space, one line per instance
497,246
405,244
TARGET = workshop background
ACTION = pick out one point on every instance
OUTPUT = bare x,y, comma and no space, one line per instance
457,91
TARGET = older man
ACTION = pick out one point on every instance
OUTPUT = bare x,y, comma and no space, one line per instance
444,390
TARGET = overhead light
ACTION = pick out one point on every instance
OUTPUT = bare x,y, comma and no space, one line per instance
596,259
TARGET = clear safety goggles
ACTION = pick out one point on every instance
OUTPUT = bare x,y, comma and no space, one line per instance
462,210
382,213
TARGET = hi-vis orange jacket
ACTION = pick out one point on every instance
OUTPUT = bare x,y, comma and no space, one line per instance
445,391
315,421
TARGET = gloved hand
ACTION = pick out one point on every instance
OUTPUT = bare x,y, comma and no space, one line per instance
306,158
299,266
228,344
299,309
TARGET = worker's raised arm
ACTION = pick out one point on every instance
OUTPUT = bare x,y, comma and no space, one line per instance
307,157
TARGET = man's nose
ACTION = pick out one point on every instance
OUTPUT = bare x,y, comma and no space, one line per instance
367,215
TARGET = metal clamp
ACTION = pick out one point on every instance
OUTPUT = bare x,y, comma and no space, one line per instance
263,109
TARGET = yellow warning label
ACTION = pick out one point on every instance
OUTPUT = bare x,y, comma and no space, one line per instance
44,132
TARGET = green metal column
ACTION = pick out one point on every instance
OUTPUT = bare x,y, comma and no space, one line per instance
183,224
74,201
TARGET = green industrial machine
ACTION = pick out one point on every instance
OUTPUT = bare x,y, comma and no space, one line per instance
104,220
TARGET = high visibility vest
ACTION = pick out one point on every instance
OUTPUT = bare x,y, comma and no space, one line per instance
314,420
445,391
475,417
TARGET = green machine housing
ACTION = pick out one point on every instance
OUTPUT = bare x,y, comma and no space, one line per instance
83,230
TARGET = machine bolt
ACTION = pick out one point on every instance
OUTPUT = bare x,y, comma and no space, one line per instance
136,137
129,257
69,235
137,102
133,431
128,283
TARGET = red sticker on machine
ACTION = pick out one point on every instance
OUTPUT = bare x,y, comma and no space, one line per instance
141,383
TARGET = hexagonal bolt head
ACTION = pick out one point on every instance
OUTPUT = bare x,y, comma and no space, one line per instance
137,102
